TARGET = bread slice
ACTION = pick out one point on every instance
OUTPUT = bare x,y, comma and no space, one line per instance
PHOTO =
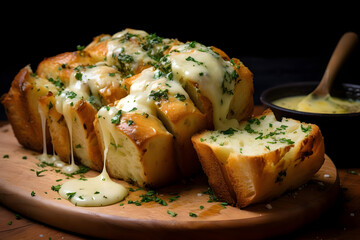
167,100
220,87
57,127
21,106
261,159
84,140
136,146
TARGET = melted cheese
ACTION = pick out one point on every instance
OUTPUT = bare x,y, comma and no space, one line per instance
63,106
257,137
127,52
96,191
128,47
45,157
201,65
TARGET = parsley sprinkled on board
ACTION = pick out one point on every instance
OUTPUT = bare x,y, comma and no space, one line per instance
149,196
191,214
56,188
212,197
39,172
171,213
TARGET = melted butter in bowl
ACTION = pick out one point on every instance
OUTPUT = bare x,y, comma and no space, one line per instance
339,130
330,105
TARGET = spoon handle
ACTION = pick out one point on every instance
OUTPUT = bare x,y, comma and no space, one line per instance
343,49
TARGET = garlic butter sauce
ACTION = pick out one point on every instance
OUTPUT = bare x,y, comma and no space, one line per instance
330,105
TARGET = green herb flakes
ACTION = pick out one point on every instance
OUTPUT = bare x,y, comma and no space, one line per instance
171,213
70,195
191,214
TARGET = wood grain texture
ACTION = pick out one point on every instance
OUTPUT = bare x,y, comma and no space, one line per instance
289,212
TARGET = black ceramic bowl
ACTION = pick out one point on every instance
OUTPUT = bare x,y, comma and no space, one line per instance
341,131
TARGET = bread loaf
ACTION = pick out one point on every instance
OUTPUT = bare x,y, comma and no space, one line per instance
133,98
260,159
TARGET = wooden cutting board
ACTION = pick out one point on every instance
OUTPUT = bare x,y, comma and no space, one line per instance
25,187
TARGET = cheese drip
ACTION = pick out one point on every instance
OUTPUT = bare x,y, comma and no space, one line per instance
193,62
76,91
93,192
45,157
100,190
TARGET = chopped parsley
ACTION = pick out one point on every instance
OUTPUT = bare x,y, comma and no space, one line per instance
181,97
70,94
229,131
191,214
116,118
285,140
80,48
306,129
189,58
56,188
70,195
39,172
57,83
171,213
159,94
212,197
78,76
149,196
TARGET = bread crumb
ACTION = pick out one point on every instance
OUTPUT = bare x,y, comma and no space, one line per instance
268,206
199,194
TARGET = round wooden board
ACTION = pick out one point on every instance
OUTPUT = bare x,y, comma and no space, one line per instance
18,178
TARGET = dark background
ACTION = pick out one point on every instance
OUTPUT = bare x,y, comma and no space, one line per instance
279,44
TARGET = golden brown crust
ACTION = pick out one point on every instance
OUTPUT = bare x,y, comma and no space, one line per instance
61,66
21,109
183,120
97,49
86,148
214,170
242,104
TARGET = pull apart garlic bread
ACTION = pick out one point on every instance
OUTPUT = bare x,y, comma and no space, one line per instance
260,159
134,99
